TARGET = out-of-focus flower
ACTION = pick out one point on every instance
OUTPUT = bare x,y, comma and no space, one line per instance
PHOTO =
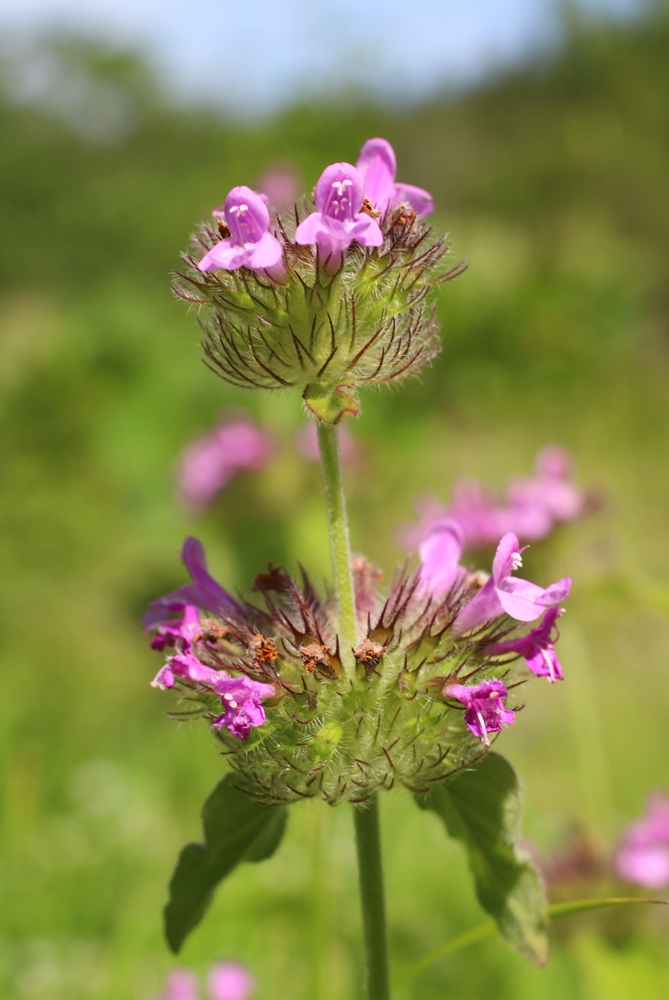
537,647
229,981
440,553
377,166
281,184
250,243
485,707
181,985
530,509
503,592
307,444
338,221
643,854
210,462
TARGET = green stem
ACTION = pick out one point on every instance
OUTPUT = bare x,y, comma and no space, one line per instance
370,874
339,544
367,831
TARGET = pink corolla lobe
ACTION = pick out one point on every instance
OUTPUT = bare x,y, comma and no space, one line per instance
377,167
537,647
485,712
338,221
212,460
504,593
643,855
241,700
250,243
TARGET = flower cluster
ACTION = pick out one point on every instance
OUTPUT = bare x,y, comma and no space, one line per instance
531,508
417,698
328,301
226,981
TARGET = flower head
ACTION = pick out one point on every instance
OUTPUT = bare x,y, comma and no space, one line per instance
250,244
229,981
338,221
537,647
504,593
485,707
210,462
643,854
377,167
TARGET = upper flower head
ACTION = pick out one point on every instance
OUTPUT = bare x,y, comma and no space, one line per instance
537,647
485,707
249,244
643,855
377,166
503,592
338,221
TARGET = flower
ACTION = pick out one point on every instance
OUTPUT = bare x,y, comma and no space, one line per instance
338,221
281,183
185,665
229,981
241,700
211,461
643,854
485,707
502,593
204,592
440,553
537,647
551,489
181,985
377,167
249,244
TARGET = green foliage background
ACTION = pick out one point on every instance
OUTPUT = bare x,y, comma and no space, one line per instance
553,184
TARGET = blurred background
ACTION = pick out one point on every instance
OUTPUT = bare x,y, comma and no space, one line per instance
542,130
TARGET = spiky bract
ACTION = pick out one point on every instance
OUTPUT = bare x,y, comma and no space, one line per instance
340,736
368,323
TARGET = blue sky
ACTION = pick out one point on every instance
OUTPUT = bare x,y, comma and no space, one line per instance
255,55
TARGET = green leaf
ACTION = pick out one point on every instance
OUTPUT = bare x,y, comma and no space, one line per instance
237,828
330,403
481,807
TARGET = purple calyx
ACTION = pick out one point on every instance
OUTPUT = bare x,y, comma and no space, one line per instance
377,166
485,712
250,243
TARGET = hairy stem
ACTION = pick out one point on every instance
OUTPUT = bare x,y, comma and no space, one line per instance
370,874
339,544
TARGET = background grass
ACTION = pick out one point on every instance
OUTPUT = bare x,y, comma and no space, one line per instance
553,184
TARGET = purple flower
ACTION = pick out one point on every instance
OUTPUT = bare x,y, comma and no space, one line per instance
188,666
504,593
280,183
643,855
551,490
537,647
249,244
241,698
183,631
339,195
204,592
181,985
485,707
377,166
229,981
211,461
440,553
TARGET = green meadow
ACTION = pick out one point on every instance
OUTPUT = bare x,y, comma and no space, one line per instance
552,182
